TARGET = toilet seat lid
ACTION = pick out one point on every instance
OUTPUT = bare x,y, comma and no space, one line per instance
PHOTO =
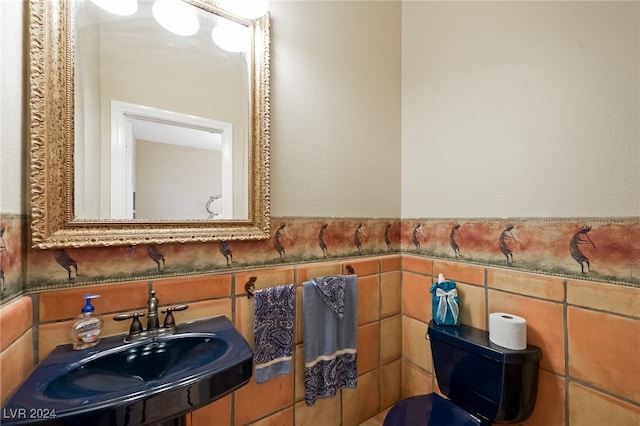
429,410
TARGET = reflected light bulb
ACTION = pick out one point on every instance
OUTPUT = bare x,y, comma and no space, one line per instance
118,7
231,36
176,16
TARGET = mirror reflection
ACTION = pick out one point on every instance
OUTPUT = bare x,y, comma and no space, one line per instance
143,133
161,112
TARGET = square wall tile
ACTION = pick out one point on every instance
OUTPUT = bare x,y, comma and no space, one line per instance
603,351
16,363
15,318
459,272
545,324
605,297
265,278
390,339
390,386
243,321
114,298
368,299
361,403
542,286
415,381
254,401
416,299
390,263
368,356
323,412
53,334
590,407
110,327
472,305
307,271
415,347
218,412
364,267
418,265
390,290
373,421
188,289
203,310
549,409
382,415
281,418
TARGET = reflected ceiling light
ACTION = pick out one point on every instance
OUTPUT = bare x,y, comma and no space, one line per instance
118,7
250,9
176,16
231,36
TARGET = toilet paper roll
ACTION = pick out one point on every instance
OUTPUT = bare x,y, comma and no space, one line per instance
508,330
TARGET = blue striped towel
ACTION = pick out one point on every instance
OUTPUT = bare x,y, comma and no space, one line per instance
330,328
273,322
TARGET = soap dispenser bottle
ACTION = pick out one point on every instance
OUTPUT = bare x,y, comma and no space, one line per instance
87,327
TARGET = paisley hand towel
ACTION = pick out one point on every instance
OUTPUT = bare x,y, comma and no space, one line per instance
273,322
330,335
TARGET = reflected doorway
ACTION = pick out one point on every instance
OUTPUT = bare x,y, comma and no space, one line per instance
169,166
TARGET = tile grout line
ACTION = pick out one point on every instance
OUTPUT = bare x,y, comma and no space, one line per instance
295,339
379,367
567,377
35,327
232,297
486,299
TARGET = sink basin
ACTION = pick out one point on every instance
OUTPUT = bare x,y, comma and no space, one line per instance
137,383
124,368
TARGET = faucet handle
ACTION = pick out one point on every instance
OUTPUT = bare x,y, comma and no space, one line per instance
136,325
169,320
175,308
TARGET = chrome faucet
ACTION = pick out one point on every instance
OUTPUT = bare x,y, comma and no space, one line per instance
136,331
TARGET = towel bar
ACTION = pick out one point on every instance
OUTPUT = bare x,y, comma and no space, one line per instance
250,286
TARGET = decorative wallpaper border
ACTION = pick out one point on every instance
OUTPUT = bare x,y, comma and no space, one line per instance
595,249
12,260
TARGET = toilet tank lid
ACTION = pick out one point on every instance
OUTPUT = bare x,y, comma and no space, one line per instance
477,340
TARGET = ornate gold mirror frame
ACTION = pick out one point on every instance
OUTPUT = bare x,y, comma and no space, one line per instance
53,224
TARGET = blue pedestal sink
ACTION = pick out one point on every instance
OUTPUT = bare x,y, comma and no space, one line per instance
139,383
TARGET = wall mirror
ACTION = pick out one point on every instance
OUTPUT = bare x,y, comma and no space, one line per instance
146,134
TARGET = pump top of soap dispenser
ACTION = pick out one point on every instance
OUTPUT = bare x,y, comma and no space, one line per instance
88,307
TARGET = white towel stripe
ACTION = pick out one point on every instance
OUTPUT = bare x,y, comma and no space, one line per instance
273,361
329,357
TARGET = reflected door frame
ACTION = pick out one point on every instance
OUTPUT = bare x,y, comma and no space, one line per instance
122,179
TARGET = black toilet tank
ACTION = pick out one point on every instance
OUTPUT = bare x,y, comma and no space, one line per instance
497,384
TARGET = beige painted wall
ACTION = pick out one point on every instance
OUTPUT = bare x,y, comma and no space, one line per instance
507,109
335,80
520,109
13,111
